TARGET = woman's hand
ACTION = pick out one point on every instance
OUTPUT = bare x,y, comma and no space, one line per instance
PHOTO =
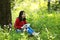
24,27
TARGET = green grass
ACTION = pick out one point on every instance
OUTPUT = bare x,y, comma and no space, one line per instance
47,24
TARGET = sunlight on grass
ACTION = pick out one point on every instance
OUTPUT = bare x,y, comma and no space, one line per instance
49,15
49,35
34,6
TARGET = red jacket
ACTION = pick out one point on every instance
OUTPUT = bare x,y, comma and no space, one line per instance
18,24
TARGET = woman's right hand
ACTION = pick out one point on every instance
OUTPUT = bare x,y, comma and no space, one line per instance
24,26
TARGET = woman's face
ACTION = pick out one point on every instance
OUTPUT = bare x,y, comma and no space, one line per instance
23,16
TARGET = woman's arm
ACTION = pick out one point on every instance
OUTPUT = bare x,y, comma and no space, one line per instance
16,25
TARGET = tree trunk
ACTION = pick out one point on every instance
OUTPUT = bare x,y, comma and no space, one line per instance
59,1
48,5
59,5
5,12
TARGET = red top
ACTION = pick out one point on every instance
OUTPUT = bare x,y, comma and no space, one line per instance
18,24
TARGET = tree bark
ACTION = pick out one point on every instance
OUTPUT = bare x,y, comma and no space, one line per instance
5,12
48,5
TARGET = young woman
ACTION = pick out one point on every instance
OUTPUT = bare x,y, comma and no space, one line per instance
21,24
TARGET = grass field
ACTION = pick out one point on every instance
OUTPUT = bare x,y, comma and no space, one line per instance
48,24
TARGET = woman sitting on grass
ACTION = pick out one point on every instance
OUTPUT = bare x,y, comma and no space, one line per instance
21,24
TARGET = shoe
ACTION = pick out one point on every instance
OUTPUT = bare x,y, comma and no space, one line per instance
36,34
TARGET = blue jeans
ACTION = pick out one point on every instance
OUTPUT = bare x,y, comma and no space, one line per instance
18,30
28,29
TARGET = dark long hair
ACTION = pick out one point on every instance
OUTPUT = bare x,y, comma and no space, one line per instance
20,16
